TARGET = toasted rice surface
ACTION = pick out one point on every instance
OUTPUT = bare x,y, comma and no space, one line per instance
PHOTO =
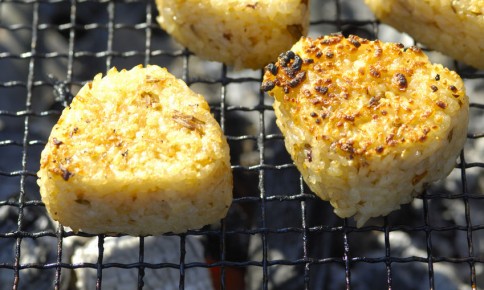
245,34
369,124
453,27
136,152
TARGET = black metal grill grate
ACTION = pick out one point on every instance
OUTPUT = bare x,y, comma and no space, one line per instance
277,234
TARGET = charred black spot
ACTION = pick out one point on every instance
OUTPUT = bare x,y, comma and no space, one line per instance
297,79
374,101
267,86
297,63
272,68
286,57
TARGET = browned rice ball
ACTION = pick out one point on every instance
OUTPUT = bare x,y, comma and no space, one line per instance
368,124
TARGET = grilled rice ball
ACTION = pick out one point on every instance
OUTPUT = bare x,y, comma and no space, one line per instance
453,27
137,152
240,33
368,124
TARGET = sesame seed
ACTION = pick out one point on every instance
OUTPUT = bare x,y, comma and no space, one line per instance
355,42
309,153
286,57
400,80
320,89
441,104
56,141
349,118
415,49
374,72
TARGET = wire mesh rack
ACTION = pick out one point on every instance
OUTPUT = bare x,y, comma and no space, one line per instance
277,234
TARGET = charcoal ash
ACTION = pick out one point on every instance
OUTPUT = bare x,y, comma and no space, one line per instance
33,251
283,208
157,251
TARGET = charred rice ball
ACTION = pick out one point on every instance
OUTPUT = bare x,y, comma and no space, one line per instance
137,152
368,124
453,27
241,33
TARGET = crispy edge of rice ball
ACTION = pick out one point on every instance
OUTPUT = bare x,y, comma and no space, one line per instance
243,34
368,124
451,27
137,152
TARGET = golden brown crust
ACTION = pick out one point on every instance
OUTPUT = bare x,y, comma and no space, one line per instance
379,92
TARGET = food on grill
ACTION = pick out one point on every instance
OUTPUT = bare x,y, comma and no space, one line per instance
245,34
368,124
137,152
452,27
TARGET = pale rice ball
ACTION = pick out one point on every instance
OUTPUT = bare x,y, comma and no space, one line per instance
137,152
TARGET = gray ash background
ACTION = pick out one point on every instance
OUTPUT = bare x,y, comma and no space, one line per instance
277,234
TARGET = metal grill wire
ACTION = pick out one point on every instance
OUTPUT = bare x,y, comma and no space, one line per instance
323,250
